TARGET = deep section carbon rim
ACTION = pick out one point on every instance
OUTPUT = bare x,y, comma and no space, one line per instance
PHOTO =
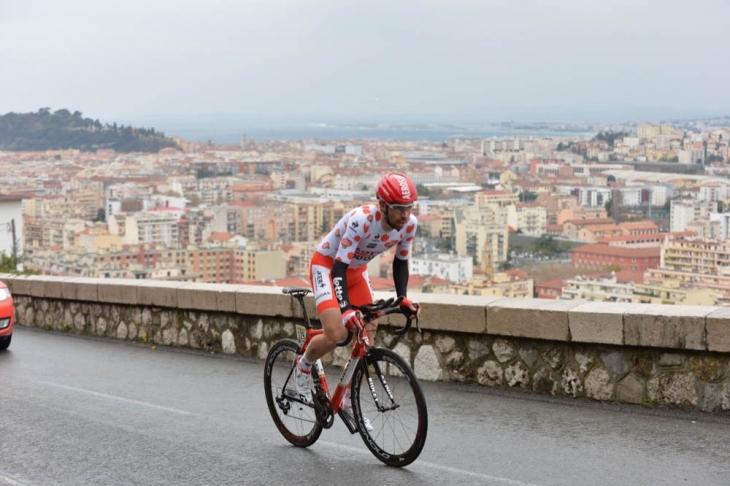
399,423
297,422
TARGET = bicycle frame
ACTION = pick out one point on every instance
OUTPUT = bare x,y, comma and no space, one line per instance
305,333
358,352
395,431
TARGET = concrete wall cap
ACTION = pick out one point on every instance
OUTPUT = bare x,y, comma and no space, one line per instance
80,288
530,318
159,293
264,301
670,310
118,291
598,322
718,331
8,279
667,326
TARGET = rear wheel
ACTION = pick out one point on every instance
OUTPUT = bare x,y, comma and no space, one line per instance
296,421
5,342
395,407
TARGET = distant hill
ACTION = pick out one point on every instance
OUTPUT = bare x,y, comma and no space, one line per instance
60,130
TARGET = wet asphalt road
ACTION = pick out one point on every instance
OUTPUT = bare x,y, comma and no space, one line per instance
85,411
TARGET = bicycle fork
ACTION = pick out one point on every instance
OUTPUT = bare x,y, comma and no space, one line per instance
378,372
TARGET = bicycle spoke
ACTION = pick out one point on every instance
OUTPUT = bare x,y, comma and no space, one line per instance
295,420
399,432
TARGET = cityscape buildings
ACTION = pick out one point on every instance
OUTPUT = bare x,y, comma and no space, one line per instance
631,215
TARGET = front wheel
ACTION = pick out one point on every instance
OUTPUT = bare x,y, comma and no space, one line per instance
296,421
395,406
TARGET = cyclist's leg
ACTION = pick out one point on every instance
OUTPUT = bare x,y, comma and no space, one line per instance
328,310
364,294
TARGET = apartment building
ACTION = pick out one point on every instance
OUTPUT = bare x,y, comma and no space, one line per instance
307,222
156,227
449,267
270,222
600,257
684,211
571,228
713,191
138,262
97,238
636,228
496,198
257,265
594,196
530,218
59,233
210,191
435,225
696,256
673,291
88,199
513,284
478,233
549,289
602,288
593,232
495,145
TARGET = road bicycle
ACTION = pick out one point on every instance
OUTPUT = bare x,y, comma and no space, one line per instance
384,389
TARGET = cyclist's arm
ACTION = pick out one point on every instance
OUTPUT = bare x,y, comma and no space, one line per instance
400,262
400,276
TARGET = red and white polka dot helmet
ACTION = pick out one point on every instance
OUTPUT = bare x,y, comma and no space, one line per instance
395,188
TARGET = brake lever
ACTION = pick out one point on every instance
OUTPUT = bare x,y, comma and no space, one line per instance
408,313
418,319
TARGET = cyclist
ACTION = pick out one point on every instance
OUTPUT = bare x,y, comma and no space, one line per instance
339,276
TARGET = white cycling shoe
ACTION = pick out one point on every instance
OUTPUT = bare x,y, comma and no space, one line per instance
303,383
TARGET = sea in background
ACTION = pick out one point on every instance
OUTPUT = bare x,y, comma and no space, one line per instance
327,133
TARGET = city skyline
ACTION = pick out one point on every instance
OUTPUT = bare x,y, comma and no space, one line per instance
430,61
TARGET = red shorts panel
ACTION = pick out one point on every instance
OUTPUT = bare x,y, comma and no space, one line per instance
320,275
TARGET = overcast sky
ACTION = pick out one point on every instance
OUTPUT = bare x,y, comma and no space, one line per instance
433,59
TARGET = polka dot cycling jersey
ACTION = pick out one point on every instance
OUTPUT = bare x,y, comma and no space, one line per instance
359,237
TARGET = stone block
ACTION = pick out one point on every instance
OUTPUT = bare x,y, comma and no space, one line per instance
208,296
630,390
530,318
264,301
80,288
158,293
118,291
52,287
198,296
598,322
718,331
666,326
440,312
21,286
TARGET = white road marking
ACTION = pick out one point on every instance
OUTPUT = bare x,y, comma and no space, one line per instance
452,470
119,399
11,481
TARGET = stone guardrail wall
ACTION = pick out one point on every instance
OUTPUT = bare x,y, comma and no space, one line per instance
652,355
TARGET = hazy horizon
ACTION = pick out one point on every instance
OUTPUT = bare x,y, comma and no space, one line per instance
433,61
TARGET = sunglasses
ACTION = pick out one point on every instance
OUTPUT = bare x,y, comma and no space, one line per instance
401,208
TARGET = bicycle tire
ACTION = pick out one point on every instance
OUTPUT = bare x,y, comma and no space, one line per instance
398,434
296,422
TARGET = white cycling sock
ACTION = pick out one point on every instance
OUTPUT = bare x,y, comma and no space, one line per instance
304,365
